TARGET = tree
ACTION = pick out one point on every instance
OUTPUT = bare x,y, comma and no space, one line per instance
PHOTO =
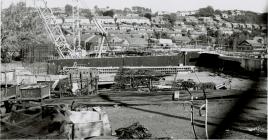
141,10
98,11
108,13
127,10
20,28
68,9
5,56
206,12
86,13
171,18
148,15
217,12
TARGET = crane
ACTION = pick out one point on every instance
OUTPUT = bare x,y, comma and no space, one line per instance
103,33
57,36
54,30
76,29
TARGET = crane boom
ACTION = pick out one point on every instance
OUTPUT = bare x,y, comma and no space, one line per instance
54,30
76,26
104,35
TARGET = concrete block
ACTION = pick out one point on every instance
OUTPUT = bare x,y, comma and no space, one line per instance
176,96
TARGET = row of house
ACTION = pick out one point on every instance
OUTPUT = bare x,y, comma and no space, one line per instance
216,21
186,13
129,19
108,20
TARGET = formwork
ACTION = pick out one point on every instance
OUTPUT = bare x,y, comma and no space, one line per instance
81,81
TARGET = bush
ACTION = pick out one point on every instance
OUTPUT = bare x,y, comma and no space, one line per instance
207,85
135,78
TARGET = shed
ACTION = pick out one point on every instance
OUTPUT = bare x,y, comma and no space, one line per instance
248,45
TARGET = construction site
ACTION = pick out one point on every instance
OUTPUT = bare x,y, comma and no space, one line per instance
66,91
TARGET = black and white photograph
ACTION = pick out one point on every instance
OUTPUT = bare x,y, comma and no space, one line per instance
133,69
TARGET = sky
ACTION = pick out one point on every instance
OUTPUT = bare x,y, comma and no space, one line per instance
259,6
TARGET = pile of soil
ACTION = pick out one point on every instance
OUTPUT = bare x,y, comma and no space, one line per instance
134,131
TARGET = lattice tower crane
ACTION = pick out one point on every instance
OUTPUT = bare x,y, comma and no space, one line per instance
54,30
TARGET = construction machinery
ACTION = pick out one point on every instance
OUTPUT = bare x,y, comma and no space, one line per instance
55,33
54,30
104,35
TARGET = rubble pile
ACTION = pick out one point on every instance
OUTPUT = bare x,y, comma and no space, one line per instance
182,84
53,121
134,131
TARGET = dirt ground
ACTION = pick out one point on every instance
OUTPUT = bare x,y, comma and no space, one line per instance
166,118
173,119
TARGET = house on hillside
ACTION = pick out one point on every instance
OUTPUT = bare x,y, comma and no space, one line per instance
237,13
226,31
139,43
161,13
185,13
191,19
224,15
217,17
126,27
58,21
200,27
255,26
206,20
179,23
178,29
259,39
81,20
195,33
249,26
118,44
110,27
105,19
133,20
263,26
165,42
249,45
132,15
235,25
182,40
68,21
58,11
227,25
241,25
158,20
90,42
188,28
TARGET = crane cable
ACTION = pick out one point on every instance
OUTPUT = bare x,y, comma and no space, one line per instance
206,107
192,112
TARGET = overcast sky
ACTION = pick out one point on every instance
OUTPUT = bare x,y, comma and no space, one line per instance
161,5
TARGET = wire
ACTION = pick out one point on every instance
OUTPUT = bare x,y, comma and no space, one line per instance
192,117
206,105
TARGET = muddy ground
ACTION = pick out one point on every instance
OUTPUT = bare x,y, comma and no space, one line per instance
166,118
246,112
